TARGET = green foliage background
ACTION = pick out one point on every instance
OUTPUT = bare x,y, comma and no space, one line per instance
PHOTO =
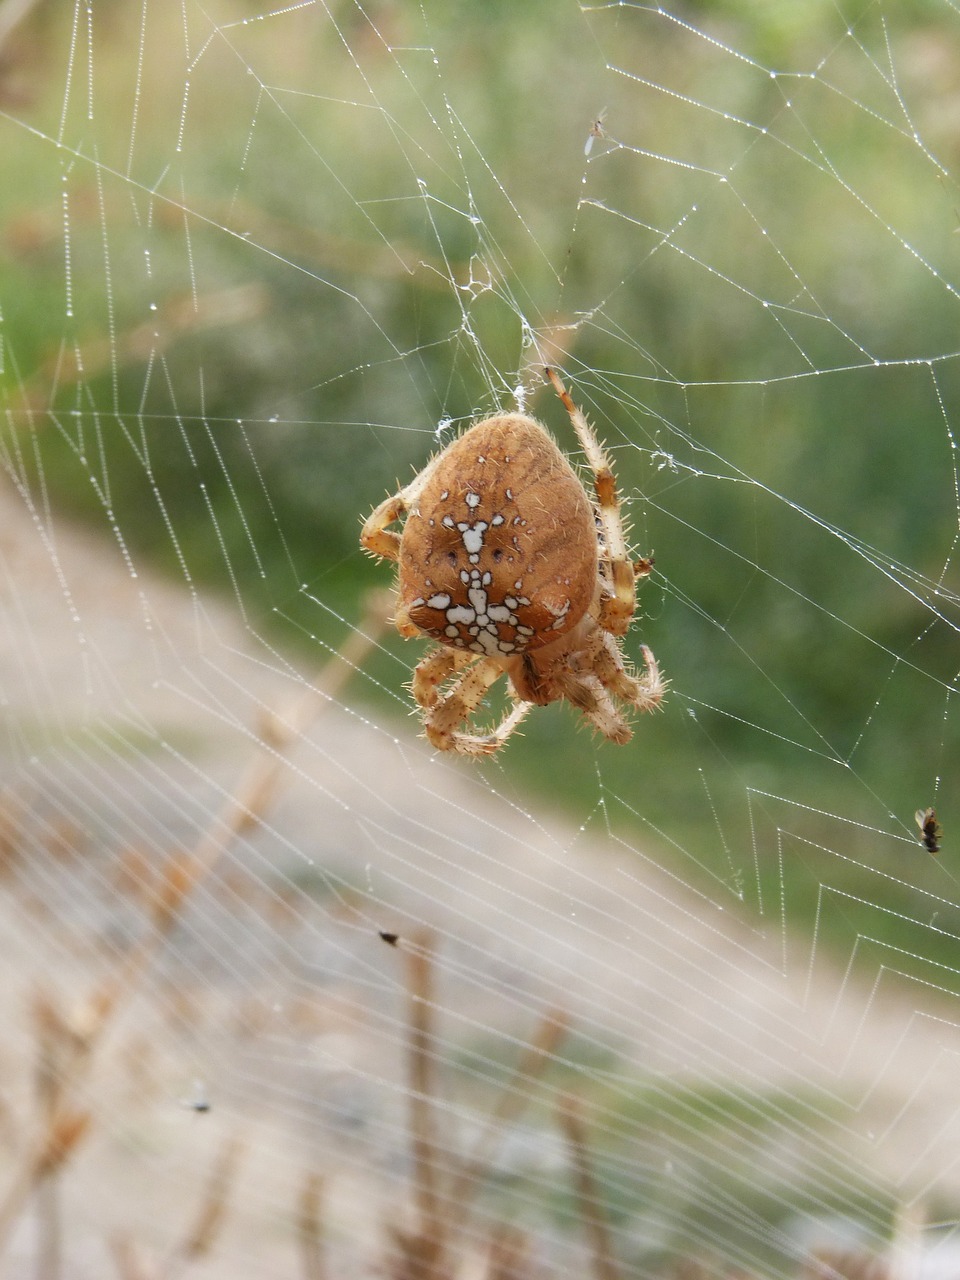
293,280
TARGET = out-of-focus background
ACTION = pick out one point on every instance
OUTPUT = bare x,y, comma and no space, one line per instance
690,1003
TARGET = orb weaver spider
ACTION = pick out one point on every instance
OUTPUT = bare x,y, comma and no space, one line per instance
513,569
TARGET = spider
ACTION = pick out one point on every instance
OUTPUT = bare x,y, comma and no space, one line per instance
514,570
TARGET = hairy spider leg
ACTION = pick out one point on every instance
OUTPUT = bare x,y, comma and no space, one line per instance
620,577
443,721
434,670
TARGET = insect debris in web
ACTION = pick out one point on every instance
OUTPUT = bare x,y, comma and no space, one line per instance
199,1100
596,131
930,829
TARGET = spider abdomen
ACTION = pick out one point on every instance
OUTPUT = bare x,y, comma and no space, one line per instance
499,551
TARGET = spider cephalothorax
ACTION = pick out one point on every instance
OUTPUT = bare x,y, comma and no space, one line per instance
507,563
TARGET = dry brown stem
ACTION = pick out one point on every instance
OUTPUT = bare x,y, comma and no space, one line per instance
422,1087
128,1262
309,1228
570,1115
52,1035
432,1251
210,1217
62,1127
514,1097
846,1264
11,834
509,1256
63,1137
415,1258
45,1156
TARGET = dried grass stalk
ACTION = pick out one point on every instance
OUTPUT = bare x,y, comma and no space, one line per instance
514,1097
846,1264
59,1139
509,1257
208,1223
66,1132
61,1131
51,1034
422,1087
11,834
309,1229
415,1257
126,1259
570,1115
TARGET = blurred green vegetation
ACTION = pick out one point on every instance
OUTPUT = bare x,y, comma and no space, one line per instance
686,1170
268,301
276,295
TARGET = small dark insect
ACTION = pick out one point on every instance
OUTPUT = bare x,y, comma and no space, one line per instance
930,829
198,1101
596,131
390,938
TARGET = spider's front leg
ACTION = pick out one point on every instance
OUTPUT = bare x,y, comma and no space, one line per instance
379,540
375,537
616,612
619,578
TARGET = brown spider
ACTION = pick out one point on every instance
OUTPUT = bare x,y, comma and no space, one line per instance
506,561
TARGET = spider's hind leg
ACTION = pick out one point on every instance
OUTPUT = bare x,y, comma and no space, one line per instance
443,719
472,744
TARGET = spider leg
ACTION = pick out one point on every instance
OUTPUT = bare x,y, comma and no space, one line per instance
473,744
375,537
433,670
644,692
599,677
449,712
588,695
620,600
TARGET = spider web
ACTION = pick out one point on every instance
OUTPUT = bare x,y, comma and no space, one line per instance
284,982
